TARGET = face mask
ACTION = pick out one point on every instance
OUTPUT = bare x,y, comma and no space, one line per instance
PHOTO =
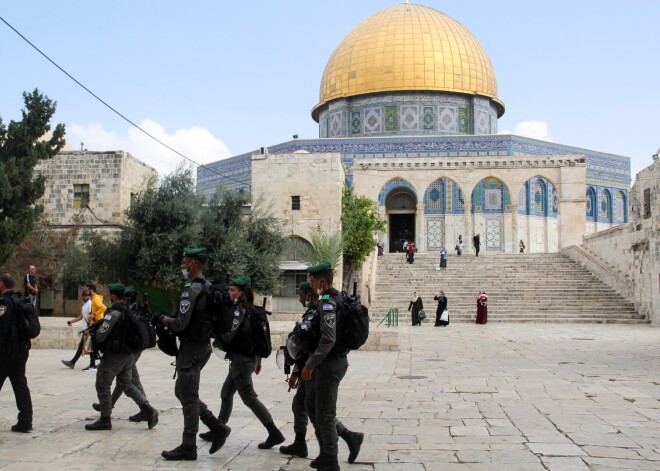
307,304
186,273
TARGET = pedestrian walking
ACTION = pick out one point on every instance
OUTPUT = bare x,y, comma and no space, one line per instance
476,241
14,353
299,351
84,317
482,308
444,255
416,305
117,362
411,252
30,284
521,244
190,325
459,245
325,367
98,311
441,313
243,363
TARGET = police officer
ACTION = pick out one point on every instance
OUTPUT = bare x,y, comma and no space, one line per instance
130,299
325,368
243,363
14,354
192,326
309,300
117,362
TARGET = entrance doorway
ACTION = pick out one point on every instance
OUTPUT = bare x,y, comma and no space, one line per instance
401,228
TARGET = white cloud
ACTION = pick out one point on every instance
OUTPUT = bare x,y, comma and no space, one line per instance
195,143
533,129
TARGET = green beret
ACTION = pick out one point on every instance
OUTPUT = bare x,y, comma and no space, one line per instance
116,288
305,286
129,289
198,253
242,281
319,268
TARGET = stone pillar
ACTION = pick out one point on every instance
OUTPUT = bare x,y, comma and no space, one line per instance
514,228
385,235
420,228
467,226
570,205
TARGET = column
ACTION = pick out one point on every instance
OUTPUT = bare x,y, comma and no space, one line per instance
420,228
467,226
514,228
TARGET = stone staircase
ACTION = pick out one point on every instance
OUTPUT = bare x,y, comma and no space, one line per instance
520,288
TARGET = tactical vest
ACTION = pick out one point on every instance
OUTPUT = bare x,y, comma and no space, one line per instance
199,327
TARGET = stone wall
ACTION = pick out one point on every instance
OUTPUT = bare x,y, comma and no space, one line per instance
111,176
633,249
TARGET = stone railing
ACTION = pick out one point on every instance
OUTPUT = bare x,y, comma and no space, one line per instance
603,271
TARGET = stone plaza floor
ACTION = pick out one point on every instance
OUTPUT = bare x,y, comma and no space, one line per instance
467,397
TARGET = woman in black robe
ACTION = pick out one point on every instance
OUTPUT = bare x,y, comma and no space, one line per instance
442,305
416,305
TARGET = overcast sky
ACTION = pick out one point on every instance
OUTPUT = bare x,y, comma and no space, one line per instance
219,78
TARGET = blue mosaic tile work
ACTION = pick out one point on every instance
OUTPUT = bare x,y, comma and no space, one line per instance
212,176
428,118
395,184
591,204
602,206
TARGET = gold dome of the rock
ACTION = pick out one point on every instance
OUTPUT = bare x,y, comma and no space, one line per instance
408,48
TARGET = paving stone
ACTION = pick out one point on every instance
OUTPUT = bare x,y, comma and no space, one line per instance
554,449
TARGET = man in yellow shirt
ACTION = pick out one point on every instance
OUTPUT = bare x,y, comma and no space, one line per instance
98,311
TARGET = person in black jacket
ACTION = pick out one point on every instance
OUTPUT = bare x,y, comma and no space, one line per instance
14,354
191,324
243,362
442,305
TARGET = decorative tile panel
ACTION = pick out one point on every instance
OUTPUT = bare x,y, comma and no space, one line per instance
373,121
483,122
356,122
428,118
494,233
409,117
435,232
335,125
391,118
463,120
447,119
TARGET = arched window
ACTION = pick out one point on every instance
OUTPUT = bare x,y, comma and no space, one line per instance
621,208
401,201
591,204
540,198
605,206
434,198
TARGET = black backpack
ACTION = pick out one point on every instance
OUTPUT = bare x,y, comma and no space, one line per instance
260,332
27,317
139,333
353,322
217,303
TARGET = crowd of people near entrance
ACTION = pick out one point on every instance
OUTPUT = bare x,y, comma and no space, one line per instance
316,349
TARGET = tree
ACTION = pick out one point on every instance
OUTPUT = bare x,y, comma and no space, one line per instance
360,224
323,248
22,146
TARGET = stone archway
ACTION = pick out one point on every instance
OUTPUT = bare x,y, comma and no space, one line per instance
443,213
490,200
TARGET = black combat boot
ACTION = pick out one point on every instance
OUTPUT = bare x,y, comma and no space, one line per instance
275,437
22,427
354,441
182,452
139,417
151,415
206,436
219,434
330,463
103,423
318,461
297,448
210,420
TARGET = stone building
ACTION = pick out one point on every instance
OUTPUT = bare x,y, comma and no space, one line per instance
409,104
627,257
90,190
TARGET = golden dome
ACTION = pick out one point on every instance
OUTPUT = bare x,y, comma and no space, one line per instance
408,48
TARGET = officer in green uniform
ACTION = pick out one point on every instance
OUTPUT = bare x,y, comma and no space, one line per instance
325,368
192,325
243,363
309,299
116,363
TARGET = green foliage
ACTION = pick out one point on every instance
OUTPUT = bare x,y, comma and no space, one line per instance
243,245
22,146
360,224
161,221
323,248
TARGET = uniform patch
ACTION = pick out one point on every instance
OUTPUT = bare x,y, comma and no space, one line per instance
3,309
185,294
328,307
331,320
234,325
104,328
184,306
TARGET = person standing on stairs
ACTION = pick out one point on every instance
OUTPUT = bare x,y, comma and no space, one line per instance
415,306
482,308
